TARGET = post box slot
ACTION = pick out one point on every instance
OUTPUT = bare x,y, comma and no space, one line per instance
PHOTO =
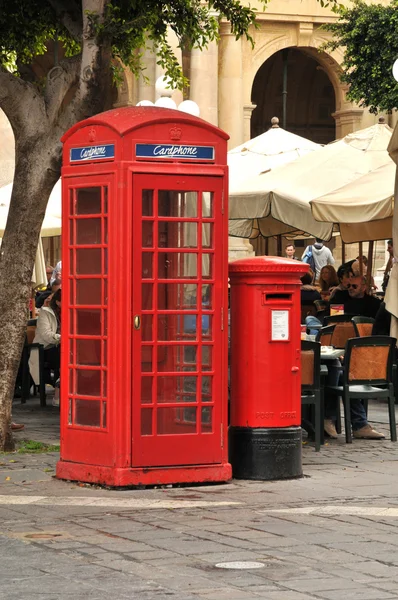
278,296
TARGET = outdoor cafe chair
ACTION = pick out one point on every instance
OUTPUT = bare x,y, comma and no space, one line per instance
29,346
324,335
362,326
311,385
367,374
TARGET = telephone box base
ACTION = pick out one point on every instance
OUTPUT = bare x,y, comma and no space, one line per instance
265,454
116,477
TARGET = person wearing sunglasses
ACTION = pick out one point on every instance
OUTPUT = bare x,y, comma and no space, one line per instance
359,301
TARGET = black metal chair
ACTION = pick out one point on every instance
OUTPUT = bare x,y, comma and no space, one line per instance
363,326
333,319
367,374
324,335
29,346
311,385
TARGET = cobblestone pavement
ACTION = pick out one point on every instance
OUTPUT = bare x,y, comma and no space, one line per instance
330,535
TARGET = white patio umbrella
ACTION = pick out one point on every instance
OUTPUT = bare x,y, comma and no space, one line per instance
391,297
267,151
285,199
52,221
39,275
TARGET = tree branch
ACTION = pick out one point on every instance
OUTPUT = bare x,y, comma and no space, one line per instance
70,16
17,99
59,81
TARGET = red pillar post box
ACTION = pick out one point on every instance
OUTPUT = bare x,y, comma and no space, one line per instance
144,303
265,424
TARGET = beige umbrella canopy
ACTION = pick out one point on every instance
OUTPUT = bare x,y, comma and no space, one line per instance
289,198
267,151
52,220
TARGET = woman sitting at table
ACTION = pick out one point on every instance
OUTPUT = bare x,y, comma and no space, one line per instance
328,280
48,333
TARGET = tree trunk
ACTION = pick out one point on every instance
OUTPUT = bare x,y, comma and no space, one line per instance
35,176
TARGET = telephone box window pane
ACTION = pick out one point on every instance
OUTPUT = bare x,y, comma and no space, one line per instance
88,413
104,384
146,421
105,322
88,352
88,261
176,327
176,389
71,322
88,383
147,203
207,356
146,359
88,322
207,419
146,328
88,201
71,233
88,291
207,266
88,231
71,292
206,388
147,265
70,412
147,234
176,421
71,262
206,326
178,234
207,290
177,296
173,265
207,230
147,296
207,204
105,291
104,415
146,390
177,204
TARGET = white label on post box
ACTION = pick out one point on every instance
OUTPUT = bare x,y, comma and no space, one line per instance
279,325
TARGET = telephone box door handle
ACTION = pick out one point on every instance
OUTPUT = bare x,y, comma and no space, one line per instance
137,322
295,369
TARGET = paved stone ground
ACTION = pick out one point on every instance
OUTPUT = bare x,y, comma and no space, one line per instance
327,536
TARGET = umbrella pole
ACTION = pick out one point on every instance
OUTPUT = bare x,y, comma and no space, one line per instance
360,259
370,264
342,252
279,245
266,247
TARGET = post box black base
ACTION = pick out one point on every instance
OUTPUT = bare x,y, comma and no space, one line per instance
265,453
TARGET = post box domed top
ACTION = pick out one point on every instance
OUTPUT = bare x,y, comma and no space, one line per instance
128,118
268,264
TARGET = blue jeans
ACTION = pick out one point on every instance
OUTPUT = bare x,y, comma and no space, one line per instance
313,324
358,414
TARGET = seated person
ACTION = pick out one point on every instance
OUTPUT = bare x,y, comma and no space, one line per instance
48,334
49,291
308,292
340,293
327,281
382,322
358,303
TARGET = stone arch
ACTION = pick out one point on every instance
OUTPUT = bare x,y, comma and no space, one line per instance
310,44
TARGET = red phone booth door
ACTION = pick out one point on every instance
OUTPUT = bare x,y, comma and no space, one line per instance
177,319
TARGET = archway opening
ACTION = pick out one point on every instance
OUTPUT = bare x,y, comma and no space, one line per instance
310,99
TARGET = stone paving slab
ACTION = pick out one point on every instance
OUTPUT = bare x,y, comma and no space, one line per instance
136,548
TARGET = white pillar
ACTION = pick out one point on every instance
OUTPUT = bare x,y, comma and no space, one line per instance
146,89
230,109
204,81
239,248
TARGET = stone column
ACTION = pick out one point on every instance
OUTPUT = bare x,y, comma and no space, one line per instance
247,115
146,90
239,248
204,81
347,121
230,109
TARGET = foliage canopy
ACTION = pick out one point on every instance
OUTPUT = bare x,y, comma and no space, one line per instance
369,34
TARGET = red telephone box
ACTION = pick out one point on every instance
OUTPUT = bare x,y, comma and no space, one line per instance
144,330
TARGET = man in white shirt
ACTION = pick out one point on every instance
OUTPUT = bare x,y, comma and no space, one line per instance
321,254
